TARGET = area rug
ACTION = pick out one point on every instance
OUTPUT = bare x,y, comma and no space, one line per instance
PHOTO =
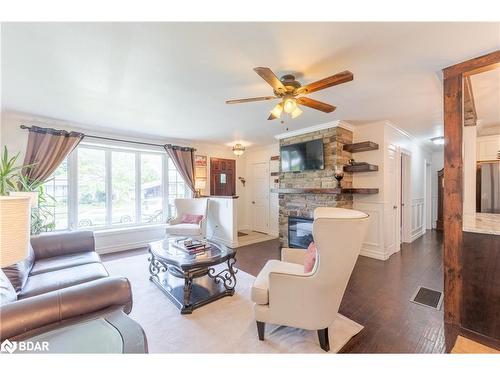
224,326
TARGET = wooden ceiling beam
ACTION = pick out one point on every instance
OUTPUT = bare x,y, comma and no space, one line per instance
473,66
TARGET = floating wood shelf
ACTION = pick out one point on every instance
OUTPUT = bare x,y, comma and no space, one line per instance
364,167
326,191
361,147
275,173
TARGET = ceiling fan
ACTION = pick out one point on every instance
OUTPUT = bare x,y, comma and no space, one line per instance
289,90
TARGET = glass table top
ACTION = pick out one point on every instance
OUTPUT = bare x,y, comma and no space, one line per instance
166,250
94,336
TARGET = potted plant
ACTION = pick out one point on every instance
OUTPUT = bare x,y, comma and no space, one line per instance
14,182
9,172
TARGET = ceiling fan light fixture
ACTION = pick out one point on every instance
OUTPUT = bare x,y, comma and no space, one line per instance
238,149
276,111
297,112
289,104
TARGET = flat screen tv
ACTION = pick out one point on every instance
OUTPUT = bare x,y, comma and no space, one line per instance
302,156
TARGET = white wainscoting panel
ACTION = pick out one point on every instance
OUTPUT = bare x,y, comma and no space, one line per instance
113,240
373,245
417,218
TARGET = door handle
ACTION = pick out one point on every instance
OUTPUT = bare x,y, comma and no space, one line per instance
253,202
395,207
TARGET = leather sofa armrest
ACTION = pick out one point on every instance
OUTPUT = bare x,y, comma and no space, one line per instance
34,312
61,243
293,255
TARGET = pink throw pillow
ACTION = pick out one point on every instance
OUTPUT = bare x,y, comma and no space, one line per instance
191,219
310,258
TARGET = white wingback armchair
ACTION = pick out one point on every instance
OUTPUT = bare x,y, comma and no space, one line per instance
190,206
285,295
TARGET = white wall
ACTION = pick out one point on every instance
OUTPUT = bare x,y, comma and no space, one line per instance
261,155
379,242
112,240
437,165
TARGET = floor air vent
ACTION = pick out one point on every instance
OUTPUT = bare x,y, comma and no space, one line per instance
428,297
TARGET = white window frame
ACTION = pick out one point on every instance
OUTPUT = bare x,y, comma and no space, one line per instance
108,149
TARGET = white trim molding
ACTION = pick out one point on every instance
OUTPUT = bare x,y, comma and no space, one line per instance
417,218
314,128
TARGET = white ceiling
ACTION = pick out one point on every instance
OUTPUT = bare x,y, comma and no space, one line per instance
486,91
172,79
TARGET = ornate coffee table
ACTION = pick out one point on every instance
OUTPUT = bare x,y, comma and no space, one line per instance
192,280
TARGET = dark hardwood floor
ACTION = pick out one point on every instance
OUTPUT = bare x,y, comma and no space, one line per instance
378,295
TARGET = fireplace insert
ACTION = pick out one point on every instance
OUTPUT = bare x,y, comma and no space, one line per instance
300,232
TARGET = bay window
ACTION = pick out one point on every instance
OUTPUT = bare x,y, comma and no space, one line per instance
151,188
100,186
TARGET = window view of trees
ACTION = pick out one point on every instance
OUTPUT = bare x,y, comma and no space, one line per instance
91,187
56,187
114,187
123,187
176,187
151,188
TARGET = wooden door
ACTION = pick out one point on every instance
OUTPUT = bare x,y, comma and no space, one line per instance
222,177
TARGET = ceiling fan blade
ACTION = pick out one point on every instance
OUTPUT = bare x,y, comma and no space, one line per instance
324,83
320,106
258,99
268,76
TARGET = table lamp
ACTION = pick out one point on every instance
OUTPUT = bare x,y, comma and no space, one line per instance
199,185
14,229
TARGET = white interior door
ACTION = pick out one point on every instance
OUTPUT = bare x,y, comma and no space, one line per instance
428,196
392,238
260,198
406,213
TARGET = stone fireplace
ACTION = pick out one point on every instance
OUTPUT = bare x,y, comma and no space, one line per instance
302,205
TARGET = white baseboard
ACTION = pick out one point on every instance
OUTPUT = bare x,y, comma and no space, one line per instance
244,227
375,254
224,241
122,247
418,234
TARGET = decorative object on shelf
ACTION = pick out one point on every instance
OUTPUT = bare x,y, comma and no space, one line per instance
360,167
242,180
360,147
199,185
15,236
339,175
238,149
287,89
352,162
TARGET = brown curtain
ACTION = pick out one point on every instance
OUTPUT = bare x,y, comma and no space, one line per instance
183,158
46,149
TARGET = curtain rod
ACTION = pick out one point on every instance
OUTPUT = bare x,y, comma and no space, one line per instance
119,140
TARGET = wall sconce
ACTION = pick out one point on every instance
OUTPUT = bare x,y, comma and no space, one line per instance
243,181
